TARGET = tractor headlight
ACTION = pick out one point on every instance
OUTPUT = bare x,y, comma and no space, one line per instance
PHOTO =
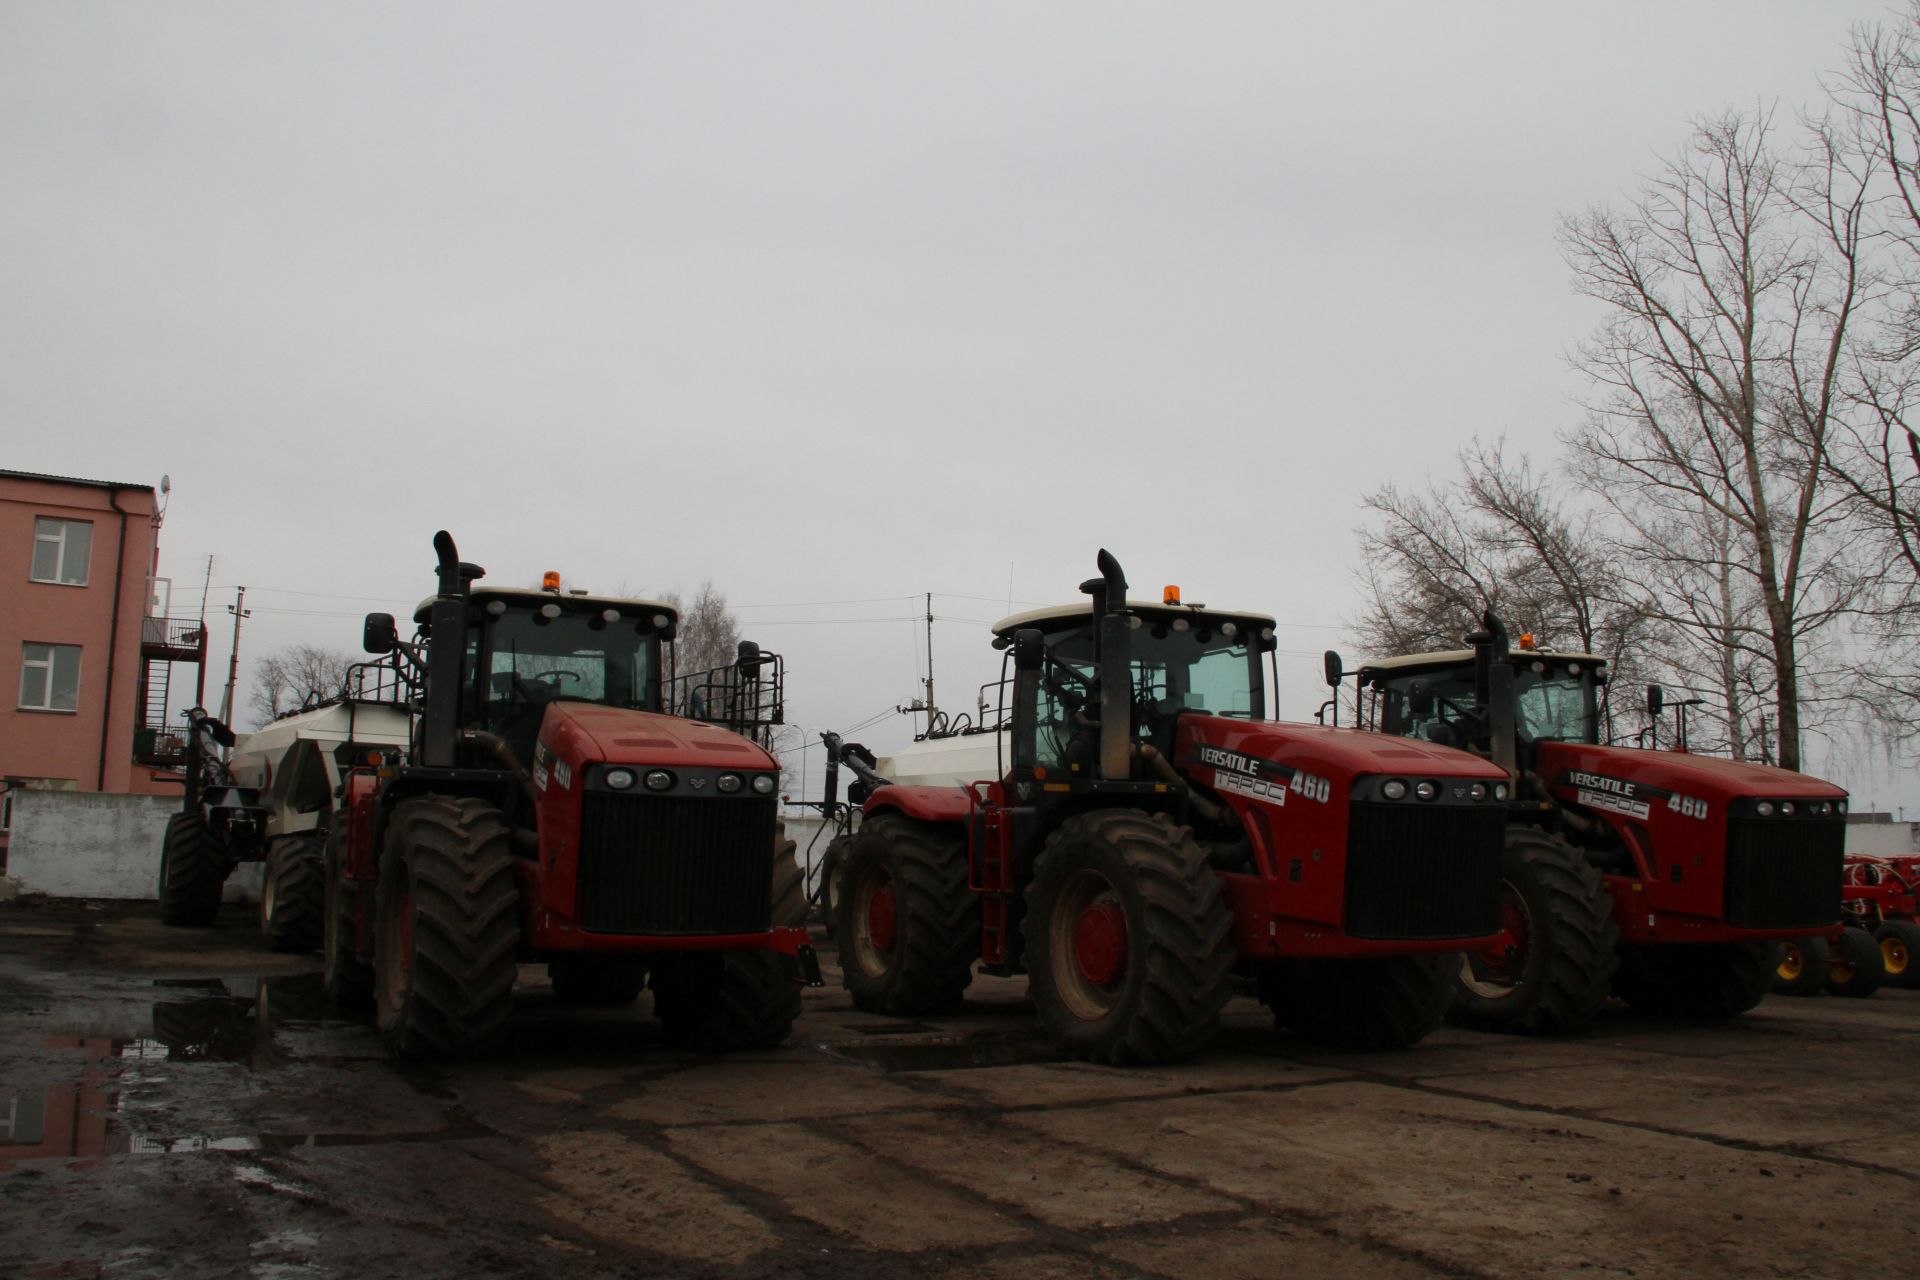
728,783
1478,791
1764,808
659,780
1426,790
1394,789
1499,791
619,779
763,784
1786,808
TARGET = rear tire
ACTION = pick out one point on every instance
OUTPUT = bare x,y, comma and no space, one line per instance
1129,941
726,1000
606,981
1857,969
1564,967
348,978
908,924
1695,980
1900,952
1803,967
1373,1003
193,871
832,872
447,928
293,893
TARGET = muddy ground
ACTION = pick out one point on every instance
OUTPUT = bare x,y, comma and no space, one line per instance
179,1103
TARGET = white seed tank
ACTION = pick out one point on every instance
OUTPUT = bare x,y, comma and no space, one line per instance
948,762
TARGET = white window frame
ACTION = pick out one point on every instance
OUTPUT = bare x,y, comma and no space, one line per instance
58,536
46,665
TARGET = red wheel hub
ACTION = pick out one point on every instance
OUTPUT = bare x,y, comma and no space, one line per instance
1510,951
1100,943
883,921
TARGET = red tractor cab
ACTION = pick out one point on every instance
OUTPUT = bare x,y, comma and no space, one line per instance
565,800
1148,833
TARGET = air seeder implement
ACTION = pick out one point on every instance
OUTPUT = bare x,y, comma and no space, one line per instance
565,800
1151,834
1659,876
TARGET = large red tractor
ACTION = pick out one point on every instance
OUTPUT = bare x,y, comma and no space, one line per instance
1658,876
1151,834
552,808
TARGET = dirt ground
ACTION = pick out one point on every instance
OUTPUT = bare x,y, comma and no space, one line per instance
180,1103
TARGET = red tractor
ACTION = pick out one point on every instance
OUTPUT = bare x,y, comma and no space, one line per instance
554,808
1659,876
1878,941
1150,835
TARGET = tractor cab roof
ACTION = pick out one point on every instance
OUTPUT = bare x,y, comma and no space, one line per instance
533,597
1445,659
1152,610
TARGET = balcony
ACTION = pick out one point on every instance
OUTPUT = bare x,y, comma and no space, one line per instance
173,639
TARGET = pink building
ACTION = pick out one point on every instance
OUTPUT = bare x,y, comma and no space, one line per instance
86,653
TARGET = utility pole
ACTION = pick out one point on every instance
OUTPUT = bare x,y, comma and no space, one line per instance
200,669
930,706
239,610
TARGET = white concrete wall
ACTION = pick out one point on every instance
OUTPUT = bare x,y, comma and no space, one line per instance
96,844
1878,839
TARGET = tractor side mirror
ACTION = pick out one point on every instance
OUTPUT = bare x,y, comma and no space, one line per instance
748,659
1656,700
1335,668
379,634
1420,698
1029,648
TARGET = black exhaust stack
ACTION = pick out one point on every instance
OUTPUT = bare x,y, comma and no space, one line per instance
446,648
1493,690
1113,651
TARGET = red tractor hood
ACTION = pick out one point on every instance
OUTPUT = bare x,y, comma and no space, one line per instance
1328,753
1707,777
581,731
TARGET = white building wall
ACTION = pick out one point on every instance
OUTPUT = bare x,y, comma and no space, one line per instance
97,844
1879,839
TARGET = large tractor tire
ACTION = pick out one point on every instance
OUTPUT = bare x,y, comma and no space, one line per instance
833,866
610,981
1900,952
447,927
1698,981
1803,967
193,871
293,893
1129,940
1557,970
1857,969
1372,1003
721,1001
907,925
348,979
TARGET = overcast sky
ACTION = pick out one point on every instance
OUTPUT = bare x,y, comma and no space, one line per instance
831,304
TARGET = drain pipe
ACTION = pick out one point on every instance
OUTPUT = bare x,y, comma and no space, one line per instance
113,636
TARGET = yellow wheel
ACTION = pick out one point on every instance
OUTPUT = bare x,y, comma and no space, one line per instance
1793,962
1803,968
1900,951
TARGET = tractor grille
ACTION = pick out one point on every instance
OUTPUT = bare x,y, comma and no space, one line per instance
1423,871
1783,873
675,864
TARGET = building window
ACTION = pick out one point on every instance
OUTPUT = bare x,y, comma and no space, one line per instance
50,677
60,550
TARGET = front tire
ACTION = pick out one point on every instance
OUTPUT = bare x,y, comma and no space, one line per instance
1129,941
1371,1003
832,874
1899,952
728,1000
1857,969
193,871
293,893
447,929
1803,968
1699,981
1559,970
908,924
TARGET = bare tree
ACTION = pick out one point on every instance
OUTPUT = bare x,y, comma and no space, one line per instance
708,635
1732,286
292,677
1502,536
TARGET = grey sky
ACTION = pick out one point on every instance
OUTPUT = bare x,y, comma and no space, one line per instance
823,302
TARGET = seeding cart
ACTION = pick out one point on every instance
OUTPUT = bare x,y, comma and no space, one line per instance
1150,833
1660,876
1878,941
565,799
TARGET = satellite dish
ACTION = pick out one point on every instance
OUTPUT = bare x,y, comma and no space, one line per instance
166,484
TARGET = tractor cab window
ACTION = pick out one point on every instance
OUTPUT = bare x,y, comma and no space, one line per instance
1450,722
1554,703
531,657
1179,665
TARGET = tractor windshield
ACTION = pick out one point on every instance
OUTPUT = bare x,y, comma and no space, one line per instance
1179,664
1553,702
530,657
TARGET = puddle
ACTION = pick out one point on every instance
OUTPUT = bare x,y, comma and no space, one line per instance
957,1053
235,1021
